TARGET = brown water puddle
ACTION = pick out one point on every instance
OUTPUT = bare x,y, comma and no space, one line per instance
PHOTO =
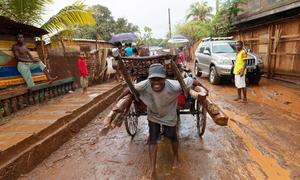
267,92
268,164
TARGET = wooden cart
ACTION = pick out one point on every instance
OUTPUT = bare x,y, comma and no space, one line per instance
135,69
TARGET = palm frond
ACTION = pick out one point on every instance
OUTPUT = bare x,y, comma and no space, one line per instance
67,33
24,11
199,11
76,14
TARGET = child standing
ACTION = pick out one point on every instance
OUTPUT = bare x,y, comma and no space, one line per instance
82,67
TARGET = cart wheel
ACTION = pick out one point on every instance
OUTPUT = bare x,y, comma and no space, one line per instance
200,118
131,121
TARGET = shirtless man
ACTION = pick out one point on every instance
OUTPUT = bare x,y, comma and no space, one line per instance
26,62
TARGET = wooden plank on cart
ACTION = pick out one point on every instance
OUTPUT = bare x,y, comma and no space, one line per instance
127,78
179,78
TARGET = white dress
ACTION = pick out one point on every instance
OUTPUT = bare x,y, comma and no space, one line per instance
110,69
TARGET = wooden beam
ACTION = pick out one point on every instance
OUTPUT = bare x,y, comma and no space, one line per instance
278,32
288,36
288,74
269,56
179,77
54,83
282,54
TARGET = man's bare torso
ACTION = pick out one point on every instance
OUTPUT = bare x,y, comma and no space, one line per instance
22,53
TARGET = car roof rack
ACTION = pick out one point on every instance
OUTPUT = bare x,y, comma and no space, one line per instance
217,38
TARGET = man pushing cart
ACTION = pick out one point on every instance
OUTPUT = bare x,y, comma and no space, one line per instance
160,95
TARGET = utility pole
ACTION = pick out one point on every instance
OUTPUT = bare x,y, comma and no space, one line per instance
170,31
217,6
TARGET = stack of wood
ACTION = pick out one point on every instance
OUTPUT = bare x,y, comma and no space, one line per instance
216,113
139,67
200,94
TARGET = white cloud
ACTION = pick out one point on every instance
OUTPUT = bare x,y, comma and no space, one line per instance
152,13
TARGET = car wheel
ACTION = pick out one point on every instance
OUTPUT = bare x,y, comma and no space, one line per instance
213,77
197,71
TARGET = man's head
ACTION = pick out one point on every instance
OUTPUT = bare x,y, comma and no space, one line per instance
239,45
135,51
118,45
82,55
20,38
157,77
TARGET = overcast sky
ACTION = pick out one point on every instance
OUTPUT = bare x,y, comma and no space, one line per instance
152,13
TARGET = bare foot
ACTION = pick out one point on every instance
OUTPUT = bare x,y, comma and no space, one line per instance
84,92
244,100
152,175
176,164
237,99
53,79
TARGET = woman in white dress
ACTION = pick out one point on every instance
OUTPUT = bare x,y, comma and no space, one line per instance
110,61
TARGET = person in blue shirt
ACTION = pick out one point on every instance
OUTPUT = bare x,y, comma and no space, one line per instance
128,50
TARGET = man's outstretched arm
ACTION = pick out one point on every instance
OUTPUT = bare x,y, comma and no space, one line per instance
124,93
198,83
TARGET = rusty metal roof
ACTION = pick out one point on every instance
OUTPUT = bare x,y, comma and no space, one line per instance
10,27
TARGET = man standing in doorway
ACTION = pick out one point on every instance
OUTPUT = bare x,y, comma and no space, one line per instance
239,71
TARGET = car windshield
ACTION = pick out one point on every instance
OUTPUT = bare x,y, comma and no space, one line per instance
223,47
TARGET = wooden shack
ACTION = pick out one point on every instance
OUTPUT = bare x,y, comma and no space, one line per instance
61,62
271,29
9,74
14,94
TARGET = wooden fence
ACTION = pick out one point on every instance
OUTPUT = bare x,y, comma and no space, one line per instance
278,44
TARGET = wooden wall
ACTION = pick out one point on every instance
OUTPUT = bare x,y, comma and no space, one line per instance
278,44
66,65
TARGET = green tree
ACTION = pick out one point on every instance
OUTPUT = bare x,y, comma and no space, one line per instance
223,22
105,26
31,11
219,25
199,11
145,38
122,26
193,30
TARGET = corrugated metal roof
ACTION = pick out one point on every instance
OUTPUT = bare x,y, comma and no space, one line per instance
89,40
11,27
285,10
268,19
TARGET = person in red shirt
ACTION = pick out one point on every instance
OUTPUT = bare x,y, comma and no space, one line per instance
82,67
181,57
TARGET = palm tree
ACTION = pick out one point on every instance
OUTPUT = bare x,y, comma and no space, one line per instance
31,11
199,11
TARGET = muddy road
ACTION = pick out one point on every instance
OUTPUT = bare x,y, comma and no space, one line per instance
262,141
